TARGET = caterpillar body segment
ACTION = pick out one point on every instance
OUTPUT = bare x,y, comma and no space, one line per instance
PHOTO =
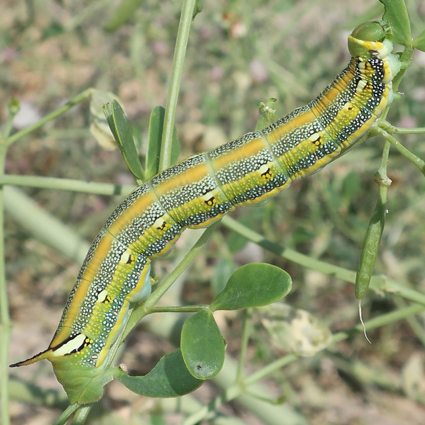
200,190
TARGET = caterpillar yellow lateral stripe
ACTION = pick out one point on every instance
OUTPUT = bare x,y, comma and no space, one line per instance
199,191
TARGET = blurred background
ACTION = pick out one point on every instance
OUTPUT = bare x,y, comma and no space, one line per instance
240,53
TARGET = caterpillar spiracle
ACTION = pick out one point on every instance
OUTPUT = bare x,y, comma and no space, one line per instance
201,189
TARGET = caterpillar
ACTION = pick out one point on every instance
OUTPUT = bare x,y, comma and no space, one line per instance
199,191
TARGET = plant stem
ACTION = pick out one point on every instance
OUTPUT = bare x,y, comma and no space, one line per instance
66,184
66,414
81,415
379,321
413,322
373,235
44,227
406,57
380,283
180,309
176,75
5,325
244,343
415,160
68,105
391,129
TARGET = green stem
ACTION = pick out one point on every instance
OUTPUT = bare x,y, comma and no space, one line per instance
378,283
392,129
413,322
415,160
406,57
4,308
80,416
375,229
180,309
244,343
63,418
65,184
68,105
176,75
8,126
5,325
379,321
43,226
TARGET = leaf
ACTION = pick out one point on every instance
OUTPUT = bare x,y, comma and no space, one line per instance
122,14
156,125
202,345
419,42
223,270
396,15
169,378
197,9
253,285
124,136
99,127
266,114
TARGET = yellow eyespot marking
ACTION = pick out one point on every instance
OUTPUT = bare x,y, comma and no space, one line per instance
209,199
127,257
315,139
360,86
347,107
74,345
161,224
103,297
265,172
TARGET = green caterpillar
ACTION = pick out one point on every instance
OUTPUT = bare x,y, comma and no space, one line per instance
200,190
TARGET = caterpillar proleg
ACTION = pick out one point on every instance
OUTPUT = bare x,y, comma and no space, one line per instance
199,191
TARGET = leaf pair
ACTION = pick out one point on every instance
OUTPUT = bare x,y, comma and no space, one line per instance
202,351
123,135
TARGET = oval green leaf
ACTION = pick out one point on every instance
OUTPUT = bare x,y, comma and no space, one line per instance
253,285
202,345
396,15
169,378
123,134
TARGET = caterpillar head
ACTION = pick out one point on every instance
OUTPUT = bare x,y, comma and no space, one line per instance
371,39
